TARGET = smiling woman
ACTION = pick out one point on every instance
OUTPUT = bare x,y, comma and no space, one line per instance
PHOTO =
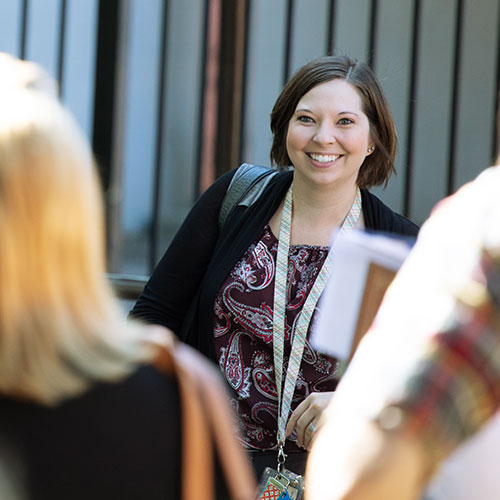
258,279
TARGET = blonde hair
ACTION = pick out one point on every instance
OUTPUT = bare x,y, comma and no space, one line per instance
17,73
60,326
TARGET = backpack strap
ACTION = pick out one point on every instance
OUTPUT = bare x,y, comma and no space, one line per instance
245,187
247,184
208,423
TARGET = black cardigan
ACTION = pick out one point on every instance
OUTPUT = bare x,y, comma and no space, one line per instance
182,289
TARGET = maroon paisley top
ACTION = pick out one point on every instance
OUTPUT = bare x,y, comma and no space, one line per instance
244,333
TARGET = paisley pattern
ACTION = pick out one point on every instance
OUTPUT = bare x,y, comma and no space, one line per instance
243,331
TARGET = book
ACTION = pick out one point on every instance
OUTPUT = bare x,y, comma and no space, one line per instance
364,264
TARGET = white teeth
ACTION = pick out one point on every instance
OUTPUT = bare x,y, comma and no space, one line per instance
323,158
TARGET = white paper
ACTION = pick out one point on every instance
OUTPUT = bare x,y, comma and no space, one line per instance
337,317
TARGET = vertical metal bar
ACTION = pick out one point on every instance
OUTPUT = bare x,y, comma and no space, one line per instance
232,61
24,29
244,80
109,114
114,197
288,39
239,80
62,45
208,122
161,106
496,114
105,80
372,42
455,94
203,80
332,12
411,104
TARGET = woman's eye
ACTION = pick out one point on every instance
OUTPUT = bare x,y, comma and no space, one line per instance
345,121
305,119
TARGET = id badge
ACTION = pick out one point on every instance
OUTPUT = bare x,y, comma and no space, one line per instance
285,485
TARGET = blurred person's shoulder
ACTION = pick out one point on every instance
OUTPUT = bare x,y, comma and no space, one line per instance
475,205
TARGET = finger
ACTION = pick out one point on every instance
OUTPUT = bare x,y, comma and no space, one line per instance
308,422
304,430
309,434
302,424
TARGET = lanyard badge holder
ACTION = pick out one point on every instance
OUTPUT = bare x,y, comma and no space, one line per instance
282,484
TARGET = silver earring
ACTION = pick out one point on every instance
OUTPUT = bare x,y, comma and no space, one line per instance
371,149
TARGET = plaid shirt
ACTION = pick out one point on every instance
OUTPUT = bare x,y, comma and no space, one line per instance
433,351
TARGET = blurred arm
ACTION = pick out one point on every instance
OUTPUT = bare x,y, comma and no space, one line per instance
427,375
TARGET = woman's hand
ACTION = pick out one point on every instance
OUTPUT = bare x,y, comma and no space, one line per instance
306,417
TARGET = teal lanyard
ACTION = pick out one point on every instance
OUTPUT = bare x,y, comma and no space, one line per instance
280,300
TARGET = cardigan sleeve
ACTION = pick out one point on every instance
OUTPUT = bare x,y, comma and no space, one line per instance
175,280
379,217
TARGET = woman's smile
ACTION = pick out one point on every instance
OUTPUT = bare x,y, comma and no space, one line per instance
324,159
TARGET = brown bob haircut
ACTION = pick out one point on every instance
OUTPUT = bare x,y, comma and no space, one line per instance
377,167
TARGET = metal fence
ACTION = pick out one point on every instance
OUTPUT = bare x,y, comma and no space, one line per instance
172,93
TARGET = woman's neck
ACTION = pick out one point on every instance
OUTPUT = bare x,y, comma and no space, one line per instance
322,206
316,212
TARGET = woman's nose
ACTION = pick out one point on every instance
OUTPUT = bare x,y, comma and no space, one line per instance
325,133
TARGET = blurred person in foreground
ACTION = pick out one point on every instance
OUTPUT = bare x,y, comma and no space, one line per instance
84,411
426,377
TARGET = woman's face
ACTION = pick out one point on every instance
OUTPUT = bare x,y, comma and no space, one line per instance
329,135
